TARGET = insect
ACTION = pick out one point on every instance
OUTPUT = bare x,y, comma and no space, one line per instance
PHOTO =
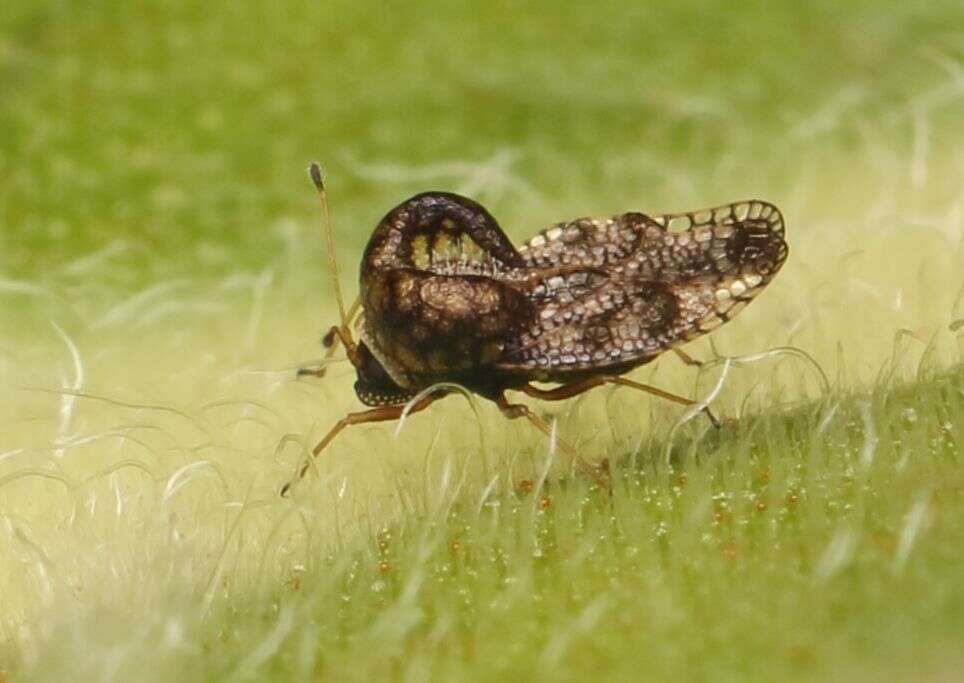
446,298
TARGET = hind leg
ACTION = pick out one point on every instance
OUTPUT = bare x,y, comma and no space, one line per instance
686,358
516,410
576,388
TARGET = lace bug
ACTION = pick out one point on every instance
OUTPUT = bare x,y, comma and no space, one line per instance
445,297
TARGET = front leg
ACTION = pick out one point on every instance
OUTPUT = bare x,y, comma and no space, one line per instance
576,388
382,414
330,342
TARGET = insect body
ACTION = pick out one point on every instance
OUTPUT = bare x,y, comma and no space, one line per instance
446,298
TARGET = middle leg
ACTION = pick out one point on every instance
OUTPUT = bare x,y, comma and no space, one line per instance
516,410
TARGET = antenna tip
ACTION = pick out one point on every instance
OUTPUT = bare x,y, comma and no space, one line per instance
315,172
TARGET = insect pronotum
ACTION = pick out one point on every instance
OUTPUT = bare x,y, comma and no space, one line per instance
444,297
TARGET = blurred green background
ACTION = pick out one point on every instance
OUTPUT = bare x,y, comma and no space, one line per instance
154,207
183,128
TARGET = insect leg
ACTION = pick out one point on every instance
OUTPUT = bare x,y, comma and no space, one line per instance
517,410
335,334
382,414
570,390
686,358
330,341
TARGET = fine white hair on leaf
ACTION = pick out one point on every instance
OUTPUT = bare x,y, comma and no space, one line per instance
11,453
837,554
43,474
97,259
695,409
267,648
118,498
201,426
913,521
831,115
22,287
44,566
427,391
219,567
772,353
447,494
113,468
131,305
74,442
188,472
245,403
493,175
566,634
921,148
446,477
168,309
553,437
486,492
259,290
550,458
945,93
67,401
826,419
870,435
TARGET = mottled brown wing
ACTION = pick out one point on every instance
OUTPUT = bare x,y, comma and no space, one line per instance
591,242
620,291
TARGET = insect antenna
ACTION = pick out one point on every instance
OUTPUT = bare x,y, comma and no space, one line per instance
343,330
